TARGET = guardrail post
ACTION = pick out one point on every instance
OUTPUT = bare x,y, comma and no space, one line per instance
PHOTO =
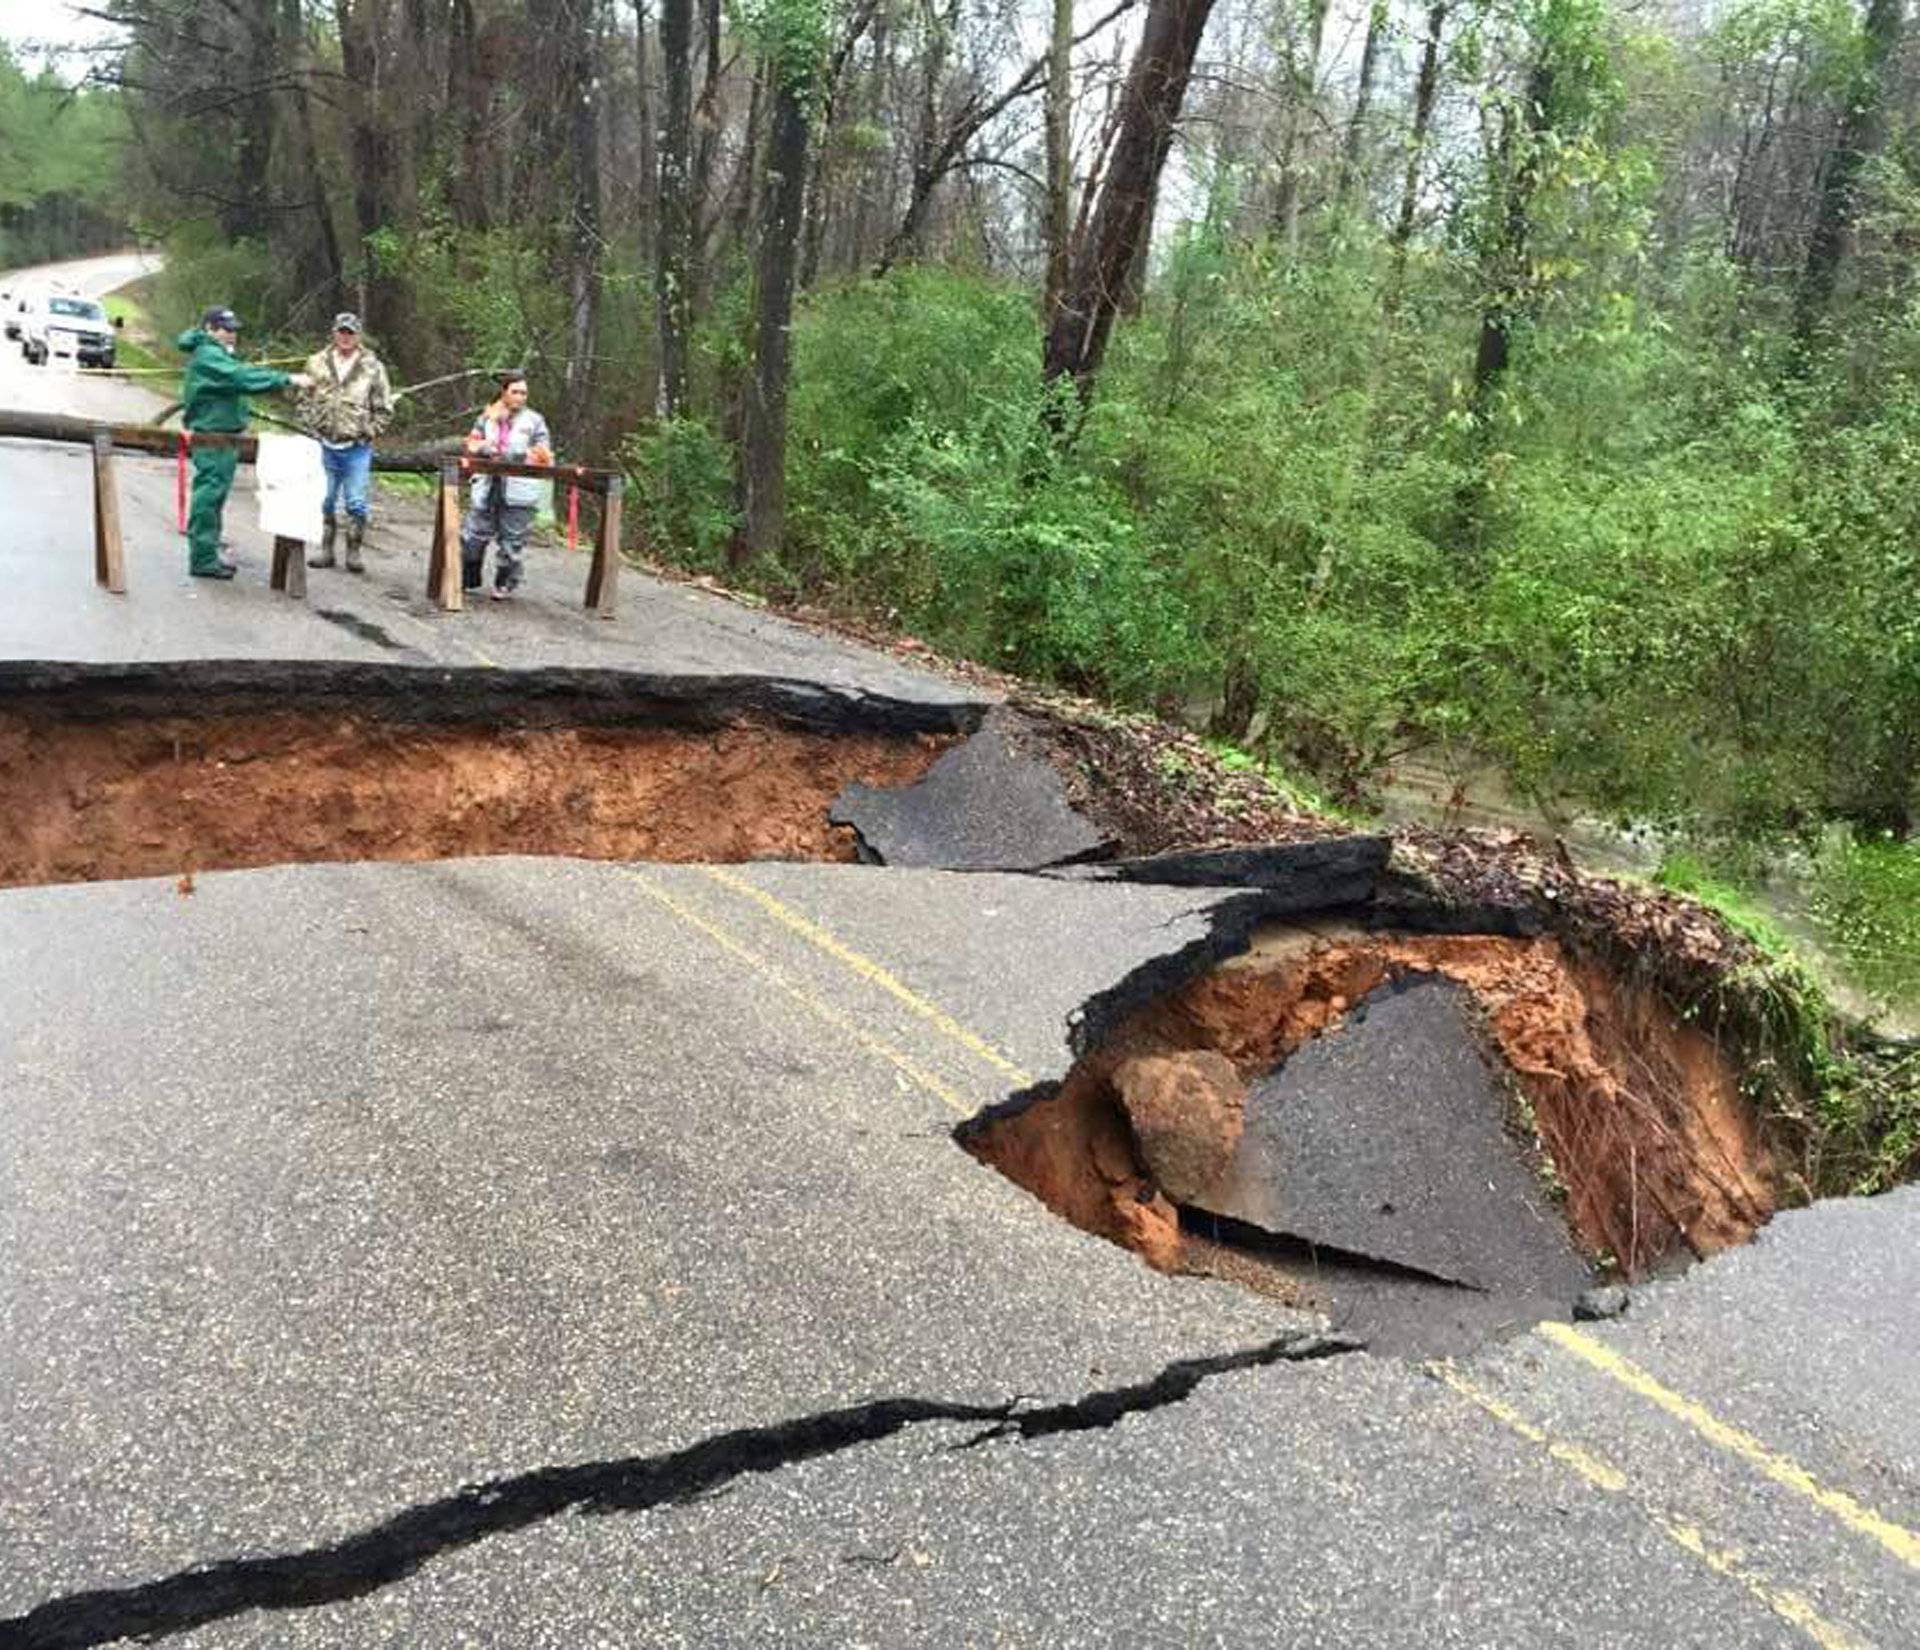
109,556
603,577
443,563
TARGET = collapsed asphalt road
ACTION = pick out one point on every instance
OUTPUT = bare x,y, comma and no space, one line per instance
540,1252
330,1190
1375,1128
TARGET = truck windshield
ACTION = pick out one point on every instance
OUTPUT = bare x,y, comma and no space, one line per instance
82,307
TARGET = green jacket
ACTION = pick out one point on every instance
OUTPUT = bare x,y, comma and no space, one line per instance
215,382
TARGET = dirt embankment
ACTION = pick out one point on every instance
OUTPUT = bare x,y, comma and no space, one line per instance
1640,1116
154,796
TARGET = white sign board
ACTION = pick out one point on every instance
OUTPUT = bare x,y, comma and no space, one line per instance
293,487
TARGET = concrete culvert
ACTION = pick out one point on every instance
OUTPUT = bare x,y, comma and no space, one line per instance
1337,1112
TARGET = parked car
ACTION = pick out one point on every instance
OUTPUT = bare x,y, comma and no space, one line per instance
13,305
64,324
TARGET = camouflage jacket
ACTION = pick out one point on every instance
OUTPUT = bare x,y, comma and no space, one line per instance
353,406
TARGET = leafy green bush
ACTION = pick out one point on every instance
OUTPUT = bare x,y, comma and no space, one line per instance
1868,896
682,478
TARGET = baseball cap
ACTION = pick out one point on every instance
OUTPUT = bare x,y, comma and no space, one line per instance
346,321
220,316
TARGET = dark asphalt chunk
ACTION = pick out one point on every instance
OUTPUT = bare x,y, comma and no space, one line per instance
1386,1137
1304,876
988,805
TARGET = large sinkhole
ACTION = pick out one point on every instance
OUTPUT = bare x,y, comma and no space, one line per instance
1425,1113
1431,1138
155,771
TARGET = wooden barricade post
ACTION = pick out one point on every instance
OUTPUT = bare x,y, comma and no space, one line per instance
109,555
289,567
443,562
603,577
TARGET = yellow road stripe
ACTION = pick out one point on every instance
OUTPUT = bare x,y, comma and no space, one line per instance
1792,1607
870,971
460,642
826,1011
1903,1543
1597,1472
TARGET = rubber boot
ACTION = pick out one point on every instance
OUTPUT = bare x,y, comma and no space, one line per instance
325,558
356,531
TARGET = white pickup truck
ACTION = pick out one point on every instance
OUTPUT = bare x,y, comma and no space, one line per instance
65,325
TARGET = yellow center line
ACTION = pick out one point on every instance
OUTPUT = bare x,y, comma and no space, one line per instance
427,630
902,1063
870,971
1903,1543
1792,1607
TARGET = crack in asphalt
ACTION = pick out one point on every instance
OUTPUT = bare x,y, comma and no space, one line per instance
390,1551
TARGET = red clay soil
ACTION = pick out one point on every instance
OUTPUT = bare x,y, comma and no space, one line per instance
161,796
1641,1116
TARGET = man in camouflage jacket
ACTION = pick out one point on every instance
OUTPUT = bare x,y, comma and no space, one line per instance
348,404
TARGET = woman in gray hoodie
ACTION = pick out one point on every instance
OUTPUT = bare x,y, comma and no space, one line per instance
503,506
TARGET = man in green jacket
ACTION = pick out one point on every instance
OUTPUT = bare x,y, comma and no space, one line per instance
211,396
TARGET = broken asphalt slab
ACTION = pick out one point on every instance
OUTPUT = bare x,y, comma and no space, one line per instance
1331,875
1386,1137
991,804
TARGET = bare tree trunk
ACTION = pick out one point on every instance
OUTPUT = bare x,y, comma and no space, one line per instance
1504,259
1305,80
1133,290
584,144
706,119
1858,137
300,60
381,302
763,443
937,156
934,150
1352,165
818,176
1059,153
1423,99
647,218
860,225
468,92
747,179
1078,328
674,214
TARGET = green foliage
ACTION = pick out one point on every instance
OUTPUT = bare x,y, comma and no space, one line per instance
1686,873
138,347
682,476
58,167
203,268
1868,897
920,487
789,34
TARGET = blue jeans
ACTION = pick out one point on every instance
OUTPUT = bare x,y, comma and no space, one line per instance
349,470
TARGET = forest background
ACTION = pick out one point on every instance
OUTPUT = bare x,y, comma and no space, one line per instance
1532,383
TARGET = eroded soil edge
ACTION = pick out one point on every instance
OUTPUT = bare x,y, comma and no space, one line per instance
1637,1120
143,771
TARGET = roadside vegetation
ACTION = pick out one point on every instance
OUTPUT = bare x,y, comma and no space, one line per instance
139,349
61,186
